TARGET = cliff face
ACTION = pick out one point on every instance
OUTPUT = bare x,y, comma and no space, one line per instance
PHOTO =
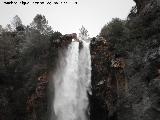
108,80
24,90
131,91
123,87
38,104
142,68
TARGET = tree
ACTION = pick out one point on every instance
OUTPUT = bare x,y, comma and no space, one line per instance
8,28
83,33
117,32
41,24
114,28
8,52
1,29
16,22
56,35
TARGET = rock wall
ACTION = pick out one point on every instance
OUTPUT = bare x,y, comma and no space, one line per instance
24,91
37,102
127,87
123,88
38,106
142,68
108,80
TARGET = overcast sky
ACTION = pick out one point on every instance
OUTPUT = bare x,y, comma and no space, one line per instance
68,18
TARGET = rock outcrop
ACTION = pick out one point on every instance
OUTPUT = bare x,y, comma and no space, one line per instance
24,90
108,80
38,100
143,66
123,88
127,88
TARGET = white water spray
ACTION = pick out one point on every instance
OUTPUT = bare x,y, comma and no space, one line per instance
71,83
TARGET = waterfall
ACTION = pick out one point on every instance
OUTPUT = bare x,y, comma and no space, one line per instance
71,83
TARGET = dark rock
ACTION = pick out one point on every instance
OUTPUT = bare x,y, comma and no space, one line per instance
108,80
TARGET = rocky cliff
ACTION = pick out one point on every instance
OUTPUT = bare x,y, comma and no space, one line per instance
24,84
142,68
109,84
126,87
38,104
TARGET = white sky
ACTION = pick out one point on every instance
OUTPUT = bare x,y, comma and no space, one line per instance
68,18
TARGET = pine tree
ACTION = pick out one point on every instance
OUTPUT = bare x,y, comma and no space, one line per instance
41,24
83,33
16,22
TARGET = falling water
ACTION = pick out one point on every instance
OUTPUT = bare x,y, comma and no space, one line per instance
71,83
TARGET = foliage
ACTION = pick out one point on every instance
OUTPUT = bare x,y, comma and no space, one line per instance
8,28
83,33
1,29
16,22
56,35
113,28
41,24
136,36
25,53
116,32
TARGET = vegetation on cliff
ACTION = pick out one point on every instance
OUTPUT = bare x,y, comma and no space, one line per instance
137,41
26,52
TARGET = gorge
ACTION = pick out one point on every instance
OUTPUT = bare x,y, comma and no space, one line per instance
114,76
